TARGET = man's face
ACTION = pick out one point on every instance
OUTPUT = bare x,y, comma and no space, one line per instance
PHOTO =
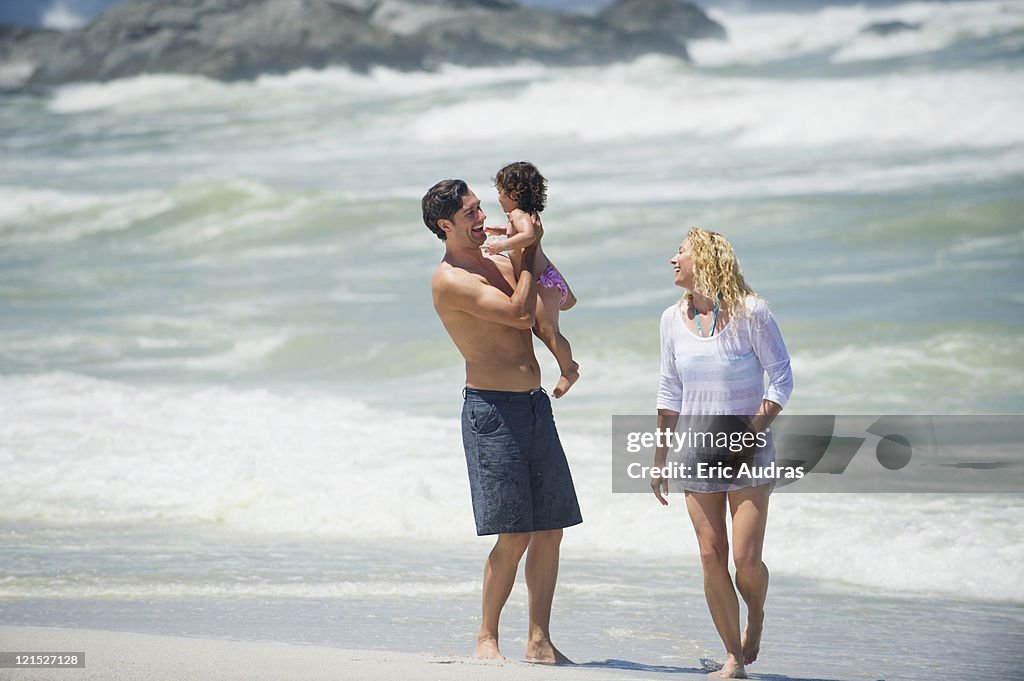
467,225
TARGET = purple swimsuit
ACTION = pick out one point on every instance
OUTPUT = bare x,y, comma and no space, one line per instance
551,278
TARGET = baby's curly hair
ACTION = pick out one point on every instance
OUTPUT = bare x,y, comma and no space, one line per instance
524,184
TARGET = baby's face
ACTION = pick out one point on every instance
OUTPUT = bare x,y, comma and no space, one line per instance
508,204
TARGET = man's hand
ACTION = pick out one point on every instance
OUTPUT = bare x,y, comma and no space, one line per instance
538,228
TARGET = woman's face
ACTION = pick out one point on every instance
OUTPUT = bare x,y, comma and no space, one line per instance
682,265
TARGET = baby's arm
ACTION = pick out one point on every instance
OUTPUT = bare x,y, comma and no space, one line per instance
521,233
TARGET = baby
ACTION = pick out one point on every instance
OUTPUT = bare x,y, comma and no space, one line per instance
522,192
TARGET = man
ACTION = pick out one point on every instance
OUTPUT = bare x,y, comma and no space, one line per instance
519,479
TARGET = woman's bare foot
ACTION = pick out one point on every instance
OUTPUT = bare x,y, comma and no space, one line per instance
732,669
566,380
544,652
752,638
487,649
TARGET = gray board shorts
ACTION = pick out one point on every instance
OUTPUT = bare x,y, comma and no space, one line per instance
519,478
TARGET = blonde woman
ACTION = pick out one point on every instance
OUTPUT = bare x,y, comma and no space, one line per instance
717,344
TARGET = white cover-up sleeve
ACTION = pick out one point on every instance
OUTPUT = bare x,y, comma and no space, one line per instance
670,387
766,340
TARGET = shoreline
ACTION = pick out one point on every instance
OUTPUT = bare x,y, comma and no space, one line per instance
149,657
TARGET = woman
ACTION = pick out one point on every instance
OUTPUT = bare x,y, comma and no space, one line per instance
717,344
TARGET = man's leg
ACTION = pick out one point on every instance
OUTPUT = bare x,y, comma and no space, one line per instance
555,506
749,509
707,512
541,576
499,576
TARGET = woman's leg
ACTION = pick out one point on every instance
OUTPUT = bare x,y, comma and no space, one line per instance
749,508
546,329
707,512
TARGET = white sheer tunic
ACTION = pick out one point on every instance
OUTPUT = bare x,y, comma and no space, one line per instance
724,374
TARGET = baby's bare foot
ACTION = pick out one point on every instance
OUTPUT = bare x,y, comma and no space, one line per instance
566,380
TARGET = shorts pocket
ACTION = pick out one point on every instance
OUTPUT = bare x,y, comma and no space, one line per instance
484,418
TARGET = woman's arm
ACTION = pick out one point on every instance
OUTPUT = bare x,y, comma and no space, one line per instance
771,352
670,386
670,398
667,420
764,416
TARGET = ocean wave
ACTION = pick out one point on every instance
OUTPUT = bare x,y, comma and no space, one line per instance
91,452
137,93
760,37
301,88
656,100
70,215
190,214
948,372
854,176
881,541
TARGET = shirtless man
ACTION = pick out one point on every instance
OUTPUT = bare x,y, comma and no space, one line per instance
519,479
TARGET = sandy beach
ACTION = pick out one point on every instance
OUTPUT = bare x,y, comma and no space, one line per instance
127,657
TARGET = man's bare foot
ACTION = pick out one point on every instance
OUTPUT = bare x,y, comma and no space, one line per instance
566,380
487,649
544,652
752,638
732,669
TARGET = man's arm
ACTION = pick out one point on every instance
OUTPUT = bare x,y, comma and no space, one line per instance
470,295
515,256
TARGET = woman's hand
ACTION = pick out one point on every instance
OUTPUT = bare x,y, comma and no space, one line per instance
659,486
667,420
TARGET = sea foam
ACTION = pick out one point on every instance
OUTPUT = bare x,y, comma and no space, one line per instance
87,452
758,37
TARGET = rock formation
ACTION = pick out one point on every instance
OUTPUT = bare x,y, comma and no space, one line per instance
240,39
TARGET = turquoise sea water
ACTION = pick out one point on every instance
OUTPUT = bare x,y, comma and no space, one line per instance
215,320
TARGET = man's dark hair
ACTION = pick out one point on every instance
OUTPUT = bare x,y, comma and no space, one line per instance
524,184
442,201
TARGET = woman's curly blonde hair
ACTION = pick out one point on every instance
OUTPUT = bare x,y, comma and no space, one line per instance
717,271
